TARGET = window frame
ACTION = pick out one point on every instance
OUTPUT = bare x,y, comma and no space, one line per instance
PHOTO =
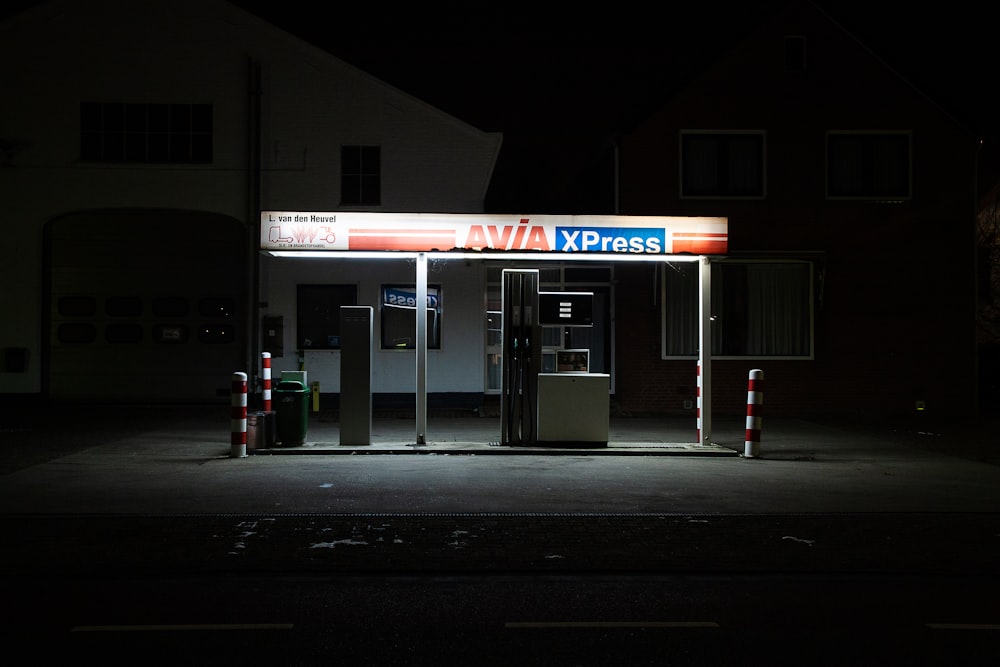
325,322
796,54
435,292
367,172
717,304
872,196
146,133
720,193
124,319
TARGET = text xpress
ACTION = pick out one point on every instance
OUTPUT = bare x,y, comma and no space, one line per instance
609,239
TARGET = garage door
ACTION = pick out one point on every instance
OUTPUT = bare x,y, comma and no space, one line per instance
144,306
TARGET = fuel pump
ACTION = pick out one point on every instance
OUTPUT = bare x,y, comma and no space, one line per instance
522,357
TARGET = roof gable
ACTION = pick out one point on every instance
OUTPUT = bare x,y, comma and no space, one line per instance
841,77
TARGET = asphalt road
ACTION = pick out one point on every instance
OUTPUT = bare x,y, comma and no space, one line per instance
596,619
136,540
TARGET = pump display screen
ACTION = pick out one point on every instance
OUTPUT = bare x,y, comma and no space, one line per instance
568,309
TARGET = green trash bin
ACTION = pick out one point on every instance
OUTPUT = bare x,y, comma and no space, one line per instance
292,400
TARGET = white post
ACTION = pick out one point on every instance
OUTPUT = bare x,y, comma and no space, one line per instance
705,349
421,338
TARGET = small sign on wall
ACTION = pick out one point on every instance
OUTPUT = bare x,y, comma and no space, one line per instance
273,338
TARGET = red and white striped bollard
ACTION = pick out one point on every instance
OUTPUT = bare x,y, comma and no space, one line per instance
698,402
238,423
265,360
755,405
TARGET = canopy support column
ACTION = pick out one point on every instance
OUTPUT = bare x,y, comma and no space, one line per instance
421,350
705,346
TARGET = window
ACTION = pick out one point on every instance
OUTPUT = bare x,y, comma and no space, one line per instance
77,332
360,175
318,315
123,333
868,165
399,317
759,309
124,320
170,133
795,53
170,334
123,306
722,164
216,334
170,306
221,307
77,306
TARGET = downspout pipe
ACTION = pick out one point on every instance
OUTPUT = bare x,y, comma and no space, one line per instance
253,216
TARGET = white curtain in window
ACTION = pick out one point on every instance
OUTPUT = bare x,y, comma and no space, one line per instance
702,158
778,299
768,313
680,299
745,176
846,172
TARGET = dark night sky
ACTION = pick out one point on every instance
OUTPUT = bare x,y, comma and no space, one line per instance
499,66
488,62
557,82
551,73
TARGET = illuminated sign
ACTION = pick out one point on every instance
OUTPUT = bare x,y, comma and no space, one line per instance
426,232
568,309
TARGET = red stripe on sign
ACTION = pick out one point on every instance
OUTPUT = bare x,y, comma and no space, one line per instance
401,239
701,235
701,243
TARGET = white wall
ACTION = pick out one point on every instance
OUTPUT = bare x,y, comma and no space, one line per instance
457,367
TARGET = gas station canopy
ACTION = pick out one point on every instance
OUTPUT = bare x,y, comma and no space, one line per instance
426,232
424,236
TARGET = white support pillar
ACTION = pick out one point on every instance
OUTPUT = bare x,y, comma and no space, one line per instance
421,351
705,348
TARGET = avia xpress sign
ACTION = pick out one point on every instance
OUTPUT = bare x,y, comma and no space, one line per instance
611,239
425,232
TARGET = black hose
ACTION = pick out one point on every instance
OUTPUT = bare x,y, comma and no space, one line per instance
527,395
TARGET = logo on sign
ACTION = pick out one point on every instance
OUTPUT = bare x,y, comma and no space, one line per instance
523,236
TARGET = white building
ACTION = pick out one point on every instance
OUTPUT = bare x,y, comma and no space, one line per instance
141,140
